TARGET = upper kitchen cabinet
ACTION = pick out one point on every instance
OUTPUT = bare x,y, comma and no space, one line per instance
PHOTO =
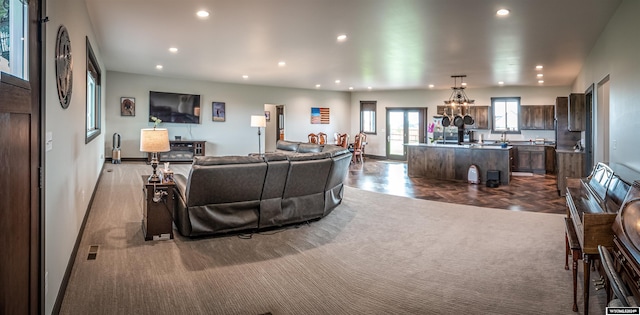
537,117
577,112
480,115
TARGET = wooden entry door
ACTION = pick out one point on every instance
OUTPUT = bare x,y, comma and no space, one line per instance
21,283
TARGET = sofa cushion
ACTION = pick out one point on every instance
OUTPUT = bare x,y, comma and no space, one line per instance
309,148
308,156
224,160
270,157
287,145
335,150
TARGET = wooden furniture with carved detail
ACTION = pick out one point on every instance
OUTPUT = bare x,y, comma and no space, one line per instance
358,148
343,140
313,138
592,205
322,138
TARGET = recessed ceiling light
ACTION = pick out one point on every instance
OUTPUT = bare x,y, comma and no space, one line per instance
369,88
342,38
539,67
501,82
282,64
202,14
351,88
159,67
318,85
539,75
173,49
502,12
463,83
540,81
431,86
245,76
337,81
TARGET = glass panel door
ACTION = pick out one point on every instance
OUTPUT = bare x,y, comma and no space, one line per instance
403,127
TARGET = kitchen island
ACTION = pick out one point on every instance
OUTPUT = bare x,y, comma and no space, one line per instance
451,161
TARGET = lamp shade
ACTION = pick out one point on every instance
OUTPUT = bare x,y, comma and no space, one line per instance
154,140
258,121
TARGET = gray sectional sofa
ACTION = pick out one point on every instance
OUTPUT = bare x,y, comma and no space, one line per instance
296,183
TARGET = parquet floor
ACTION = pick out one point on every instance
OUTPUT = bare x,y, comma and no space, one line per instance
535,193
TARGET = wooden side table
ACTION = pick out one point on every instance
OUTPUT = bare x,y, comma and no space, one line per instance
158,205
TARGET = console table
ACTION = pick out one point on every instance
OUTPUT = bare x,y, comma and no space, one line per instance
158,205
181,151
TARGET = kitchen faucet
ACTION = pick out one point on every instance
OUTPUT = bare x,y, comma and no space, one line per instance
503,138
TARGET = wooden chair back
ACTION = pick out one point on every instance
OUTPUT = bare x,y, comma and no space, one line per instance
313,138
322,138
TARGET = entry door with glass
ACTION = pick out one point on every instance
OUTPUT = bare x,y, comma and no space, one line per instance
403,127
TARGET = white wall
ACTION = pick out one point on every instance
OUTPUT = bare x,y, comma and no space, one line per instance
432,98
232,137
72,167
616,54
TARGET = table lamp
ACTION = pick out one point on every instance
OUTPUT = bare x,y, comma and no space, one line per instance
154,140
258,121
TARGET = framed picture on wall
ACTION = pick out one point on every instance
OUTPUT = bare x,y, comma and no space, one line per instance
218,111
127,106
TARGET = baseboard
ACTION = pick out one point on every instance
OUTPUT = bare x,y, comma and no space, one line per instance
141,159
67,273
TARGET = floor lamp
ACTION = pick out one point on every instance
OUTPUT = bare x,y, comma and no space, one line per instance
154,140
258,121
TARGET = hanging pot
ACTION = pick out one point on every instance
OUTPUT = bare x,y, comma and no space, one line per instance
458,121
446,121
468,120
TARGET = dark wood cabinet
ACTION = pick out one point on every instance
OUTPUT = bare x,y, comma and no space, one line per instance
480,115
538,117
569,164
181,151
577,112
550,159
530,158
158,206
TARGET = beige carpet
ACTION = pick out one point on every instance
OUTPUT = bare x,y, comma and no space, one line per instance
375,254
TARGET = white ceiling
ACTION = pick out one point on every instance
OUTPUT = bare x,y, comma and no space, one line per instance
391,44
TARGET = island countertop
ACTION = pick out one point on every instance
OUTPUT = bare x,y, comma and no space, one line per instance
451,161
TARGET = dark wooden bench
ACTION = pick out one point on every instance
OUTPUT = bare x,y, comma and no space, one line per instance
592,205
573,248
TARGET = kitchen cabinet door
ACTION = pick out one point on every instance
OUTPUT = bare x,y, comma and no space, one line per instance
532,117
480,116
549,119
577,112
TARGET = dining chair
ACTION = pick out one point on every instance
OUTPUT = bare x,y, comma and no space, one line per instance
322,138
358,148
343,140
313,138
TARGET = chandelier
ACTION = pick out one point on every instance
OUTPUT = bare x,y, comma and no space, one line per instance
458,97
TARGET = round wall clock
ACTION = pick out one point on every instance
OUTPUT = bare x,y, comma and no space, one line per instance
64,67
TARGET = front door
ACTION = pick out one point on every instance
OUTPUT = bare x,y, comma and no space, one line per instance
20,244
404,126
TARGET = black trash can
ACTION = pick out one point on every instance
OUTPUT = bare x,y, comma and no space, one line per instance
493,178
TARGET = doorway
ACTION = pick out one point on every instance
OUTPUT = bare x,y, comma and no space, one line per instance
404,126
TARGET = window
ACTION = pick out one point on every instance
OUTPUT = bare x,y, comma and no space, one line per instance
13,38
93,95
506,111
368,117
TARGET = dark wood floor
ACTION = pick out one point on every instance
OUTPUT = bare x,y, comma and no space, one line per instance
535,193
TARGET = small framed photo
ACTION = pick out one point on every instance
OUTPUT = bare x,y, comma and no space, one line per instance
267,115
127,106
218,112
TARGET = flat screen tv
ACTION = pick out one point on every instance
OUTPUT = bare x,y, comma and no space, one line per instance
174,107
